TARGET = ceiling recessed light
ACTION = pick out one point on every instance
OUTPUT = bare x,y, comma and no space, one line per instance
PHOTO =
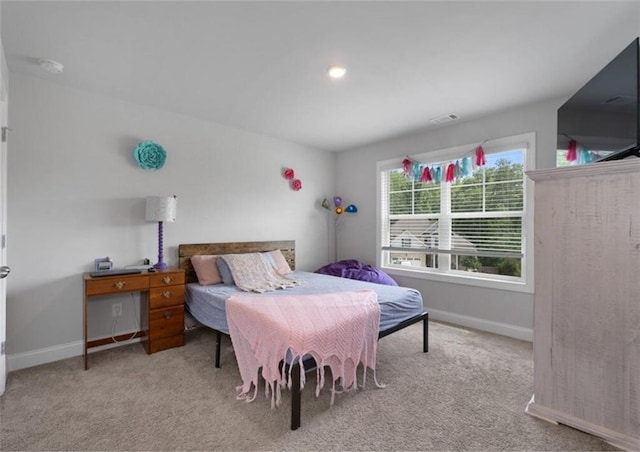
336,71
51,66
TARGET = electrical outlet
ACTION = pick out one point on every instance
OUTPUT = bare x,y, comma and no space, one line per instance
116,310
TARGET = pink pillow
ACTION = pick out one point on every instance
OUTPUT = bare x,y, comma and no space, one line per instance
279,262
206,269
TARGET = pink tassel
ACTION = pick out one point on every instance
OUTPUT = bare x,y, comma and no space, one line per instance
406,167
451,173
426,175
572,151
480,160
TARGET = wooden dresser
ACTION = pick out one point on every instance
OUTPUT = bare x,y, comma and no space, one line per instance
587,299
161,311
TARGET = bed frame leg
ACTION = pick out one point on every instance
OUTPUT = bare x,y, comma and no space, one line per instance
218,341
425,334
295,396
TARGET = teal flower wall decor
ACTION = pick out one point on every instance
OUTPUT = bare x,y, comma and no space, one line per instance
149,155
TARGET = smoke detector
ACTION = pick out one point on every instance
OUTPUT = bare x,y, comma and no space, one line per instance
51,66
445,118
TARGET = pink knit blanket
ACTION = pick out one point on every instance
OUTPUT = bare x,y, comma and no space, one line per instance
339,330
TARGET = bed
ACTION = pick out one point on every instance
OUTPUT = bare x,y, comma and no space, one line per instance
399,306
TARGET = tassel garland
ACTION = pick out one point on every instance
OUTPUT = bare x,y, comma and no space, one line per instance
579,155
449,172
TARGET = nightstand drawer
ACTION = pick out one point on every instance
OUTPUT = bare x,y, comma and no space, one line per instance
109,285
160,297
166,322
166,279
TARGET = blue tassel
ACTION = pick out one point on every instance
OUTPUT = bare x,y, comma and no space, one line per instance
466,166
417,173
438,177
582,156
458,170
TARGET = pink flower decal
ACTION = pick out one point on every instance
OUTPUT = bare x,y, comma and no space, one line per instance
296,184
288,174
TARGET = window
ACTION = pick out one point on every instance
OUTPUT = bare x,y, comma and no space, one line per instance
474,229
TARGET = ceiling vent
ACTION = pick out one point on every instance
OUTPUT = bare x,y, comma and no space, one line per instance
445,118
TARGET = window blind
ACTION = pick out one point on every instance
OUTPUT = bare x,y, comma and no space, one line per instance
479,215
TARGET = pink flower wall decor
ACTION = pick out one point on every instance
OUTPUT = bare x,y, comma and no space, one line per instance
289,174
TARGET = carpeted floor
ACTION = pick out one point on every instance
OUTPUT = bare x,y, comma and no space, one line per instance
468,393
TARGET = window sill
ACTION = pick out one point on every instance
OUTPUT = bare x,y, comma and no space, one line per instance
462,278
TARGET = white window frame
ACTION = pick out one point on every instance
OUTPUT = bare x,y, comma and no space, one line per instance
525,141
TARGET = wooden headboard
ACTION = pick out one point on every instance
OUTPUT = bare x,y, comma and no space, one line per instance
185,251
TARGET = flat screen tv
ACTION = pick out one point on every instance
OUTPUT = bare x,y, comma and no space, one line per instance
602,117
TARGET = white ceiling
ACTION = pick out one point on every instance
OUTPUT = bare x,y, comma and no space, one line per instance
260,66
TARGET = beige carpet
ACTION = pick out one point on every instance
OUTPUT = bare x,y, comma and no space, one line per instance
468,393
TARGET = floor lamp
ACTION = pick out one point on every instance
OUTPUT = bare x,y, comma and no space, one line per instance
338,210
161,209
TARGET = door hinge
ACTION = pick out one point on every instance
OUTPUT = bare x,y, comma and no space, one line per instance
2,348
4,241
4,133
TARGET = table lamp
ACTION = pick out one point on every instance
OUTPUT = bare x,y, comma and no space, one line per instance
160,209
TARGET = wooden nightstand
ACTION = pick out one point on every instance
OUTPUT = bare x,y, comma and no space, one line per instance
161,312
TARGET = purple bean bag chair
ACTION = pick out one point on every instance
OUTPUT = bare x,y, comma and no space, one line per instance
353,269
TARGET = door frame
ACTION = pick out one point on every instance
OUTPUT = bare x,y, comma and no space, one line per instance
3,248
4,117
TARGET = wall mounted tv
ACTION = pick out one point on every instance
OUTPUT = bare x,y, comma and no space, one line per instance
603,116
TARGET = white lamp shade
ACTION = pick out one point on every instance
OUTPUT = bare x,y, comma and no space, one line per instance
161,208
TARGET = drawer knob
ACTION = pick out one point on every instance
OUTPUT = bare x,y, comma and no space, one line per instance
167,315
119,284
167,294
167,279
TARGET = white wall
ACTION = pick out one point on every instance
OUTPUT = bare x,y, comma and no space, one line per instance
75,194
504,312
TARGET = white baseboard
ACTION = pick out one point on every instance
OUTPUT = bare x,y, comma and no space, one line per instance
72,349
50,354
503,329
